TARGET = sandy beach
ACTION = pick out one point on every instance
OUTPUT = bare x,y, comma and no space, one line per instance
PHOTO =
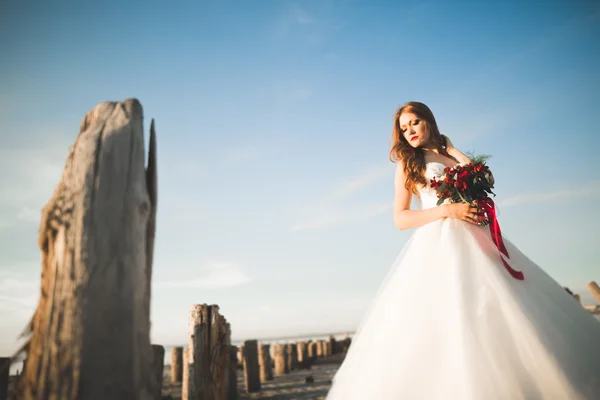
286,387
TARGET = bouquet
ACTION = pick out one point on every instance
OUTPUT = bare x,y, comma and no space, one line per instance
468,183
472,183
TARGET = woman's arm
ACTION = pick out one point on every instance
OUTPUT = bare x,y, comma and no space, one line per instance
454,152
460,156
405,218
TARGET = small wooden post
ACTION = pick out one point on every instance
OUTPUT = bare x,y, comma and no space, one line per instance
4,373
280,356
332,344
264,361
158,364
251,367
89,337
292,356
320,348
302,349
312,351
327,351
185,376
594,290
176,364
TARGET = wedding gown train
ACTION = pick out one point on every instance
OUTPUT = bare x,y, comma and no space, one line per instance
450,322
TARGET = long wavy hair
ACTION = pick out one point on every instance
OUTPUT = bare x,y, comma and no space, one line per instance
414,158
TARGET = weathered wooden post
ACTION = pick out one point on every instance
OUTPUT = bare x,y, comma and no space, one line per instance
90,333
327,349
185,376
292,356
320,348
594,290
4,373
280,356
176,364
158,365
302,350
251,368
211,354
312,351
264,361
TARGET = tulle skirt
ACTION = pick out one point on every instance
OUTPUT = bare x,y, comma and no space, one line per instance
450,322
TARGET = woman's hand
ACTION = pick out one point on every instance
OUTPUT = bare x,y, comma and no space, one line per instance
464,211
448,142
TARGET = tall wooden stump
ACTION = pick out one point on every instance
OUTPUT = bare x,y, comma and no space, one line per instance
176,364
158,366
90,333
4,372
594,290
211,354
251,368
280,356
264,362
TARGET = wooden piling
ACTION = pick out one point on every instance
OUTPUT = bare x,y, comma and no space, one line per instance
313,351
212,354
264,362
251,366
303,360
176,364
89,337
332,345
185,375
280,357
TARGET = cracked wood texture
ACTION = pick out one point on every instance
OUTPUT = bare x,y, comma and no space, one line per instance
89,337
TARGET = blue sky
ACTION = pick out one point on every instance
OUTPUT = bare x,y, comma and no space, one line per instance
273,122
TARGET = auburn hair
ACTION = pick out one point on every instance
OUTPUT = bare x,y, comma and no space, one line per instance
413,159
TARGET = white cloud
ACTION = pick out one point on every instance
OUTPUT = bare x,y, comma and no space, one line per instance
359,182
217,274
336,217
582,190
330,210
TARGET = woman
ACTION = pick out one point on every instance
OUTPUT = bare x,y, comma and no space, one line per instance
452,320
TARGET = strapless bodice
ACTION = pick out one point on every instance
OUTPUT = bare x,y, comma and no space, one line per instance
427,194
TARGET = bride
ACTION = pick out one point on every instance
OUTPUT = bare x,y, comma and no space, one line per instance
451,319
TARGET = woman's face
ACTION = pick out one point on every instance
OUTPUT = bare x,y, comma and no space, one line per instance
413,129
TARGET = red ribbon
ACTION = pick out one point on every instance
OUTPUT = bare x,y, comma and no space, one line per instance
489,207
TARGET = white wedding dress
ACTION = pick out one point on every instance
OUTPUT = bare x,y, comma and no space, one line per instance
449,322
